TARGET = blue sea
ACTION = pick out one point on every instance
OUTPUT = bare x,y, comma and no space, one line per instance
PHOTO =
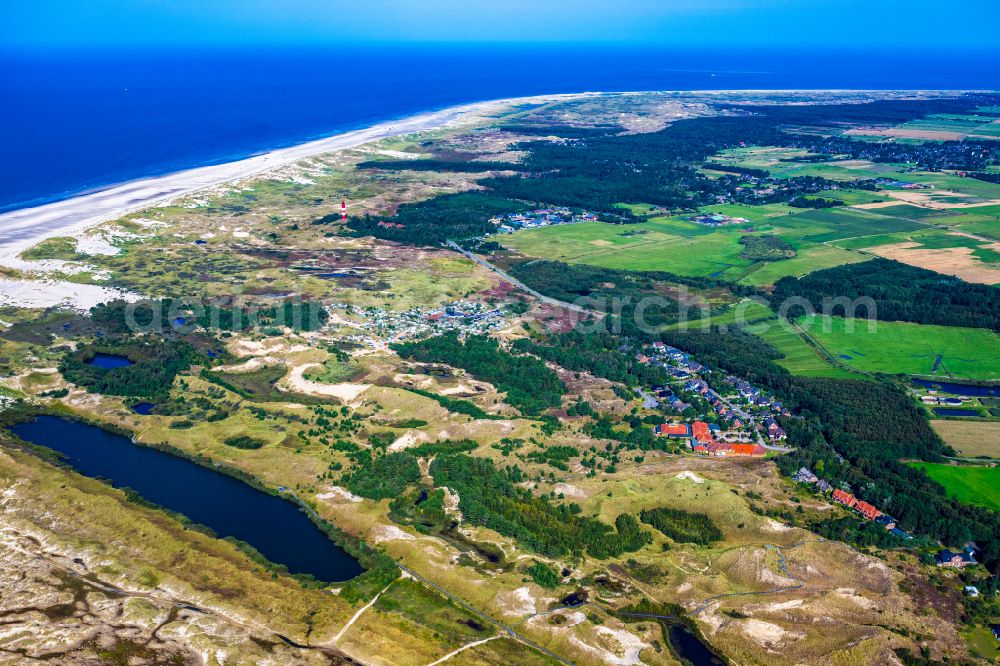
75,122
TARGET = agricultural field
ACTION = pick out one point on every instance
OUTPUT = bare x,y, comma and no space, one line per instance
940,127
907,348
979,485
801,358
677,245
972,439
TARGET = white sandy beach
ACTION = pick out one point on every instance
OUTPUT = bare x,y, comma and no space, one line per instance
21,229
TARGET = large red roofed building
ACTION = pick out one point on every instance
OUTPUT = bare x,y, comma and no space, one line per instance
699,430
748,449
867,510
845,498
673,430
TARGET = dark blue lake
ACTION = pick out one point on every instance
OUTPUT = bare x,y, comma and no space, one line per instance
946,411
958,389
275,527
109,361
143,408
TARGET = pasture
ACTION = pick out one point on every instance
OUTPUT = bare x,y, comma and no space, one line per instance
677,245
800,357
907,348
972,485
971,439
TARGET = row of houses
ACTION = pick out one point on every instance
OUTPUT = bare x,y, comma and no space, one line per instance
869,511
944,557
540,217
701,437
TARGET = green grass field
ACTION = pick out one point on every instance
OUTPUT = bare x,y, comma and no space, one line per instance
973,485
679,246
800,358
744,312
906,348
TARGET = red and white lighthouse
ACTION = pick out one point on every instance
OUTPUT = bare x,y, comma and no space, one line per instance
343,210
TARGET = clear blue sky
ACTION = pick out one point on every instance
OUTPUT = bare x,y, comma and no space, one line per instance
908,24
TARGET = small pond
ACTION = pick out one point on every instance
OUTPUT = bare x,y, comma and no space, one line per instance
109,361
958,389
947,411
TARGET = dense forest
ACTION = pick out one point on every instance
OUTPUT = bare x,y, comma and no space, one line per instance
491,498
151,373
682,526
529,384
118,317
433,221
900,293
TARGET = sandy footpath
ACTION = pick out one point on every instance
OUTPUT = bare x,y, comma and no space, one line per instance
21,229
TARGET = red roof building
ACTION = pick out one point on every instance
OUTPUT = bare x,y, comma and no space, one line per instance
845,498
748,449
867,510
699,430
673,430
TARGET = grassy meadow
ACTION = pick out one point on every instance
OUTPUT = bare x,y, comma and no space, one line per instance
907,348
973,485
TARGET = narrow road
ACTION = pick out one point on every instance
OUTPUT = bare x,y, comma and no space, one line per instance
520,285
496,623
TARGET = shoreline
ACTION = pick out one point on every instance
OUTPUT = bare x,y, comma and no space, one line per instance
23,228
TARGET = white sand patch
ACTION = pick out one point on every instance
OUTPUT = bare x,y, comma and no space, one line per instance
517,602
338,494
258,347
100,243
618,647
767,634
251,365
241,234
574,618
684,587
407,439
461,388
852,595
691,476
772,525
346,391
383,533
451,501
570,491
58,293
784,605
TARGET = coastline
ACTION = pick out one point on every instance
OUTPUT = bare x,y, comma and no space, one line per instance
22,228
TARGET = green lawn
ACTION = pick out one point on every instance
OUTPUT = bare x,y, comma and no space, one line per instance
744,312
800,358
982,642
971,485
906,348
677,245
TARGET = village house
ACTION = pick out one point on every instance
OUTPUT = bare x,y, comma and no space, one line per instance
805,475
959,560
672,430
845,498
